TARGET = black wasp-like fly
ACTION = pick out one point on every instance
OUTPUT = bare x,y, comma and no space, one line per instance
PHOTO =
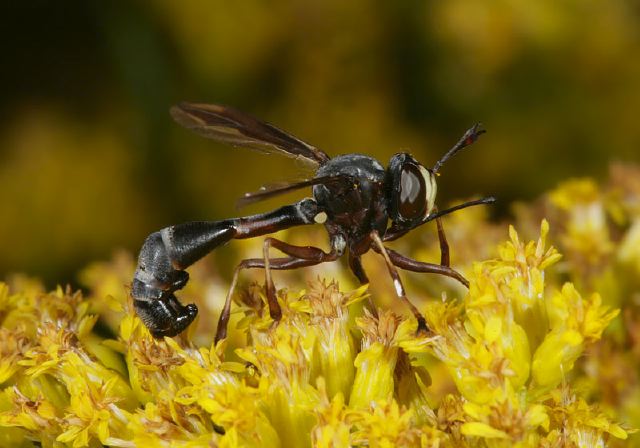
361,204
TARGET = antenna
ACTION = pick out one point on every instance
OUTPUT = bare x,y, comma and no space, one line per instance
467,139
432,216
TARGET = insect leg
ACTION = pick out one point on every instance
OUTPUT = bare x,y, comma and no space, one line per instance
309,253
355,264
444,245
410,264
250,263
422,323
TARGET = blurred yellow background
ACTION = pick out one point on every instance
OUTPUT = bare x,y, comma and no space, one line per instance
90,159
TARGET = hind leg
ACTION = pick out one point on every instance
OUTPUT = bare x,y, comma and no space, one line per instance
311,254
252,263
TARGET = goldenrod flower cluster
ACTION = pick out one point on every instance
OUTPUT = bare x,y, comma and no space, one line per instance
537,352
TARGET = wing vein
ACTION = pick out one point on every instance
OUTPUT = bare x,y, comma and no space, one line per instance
233,127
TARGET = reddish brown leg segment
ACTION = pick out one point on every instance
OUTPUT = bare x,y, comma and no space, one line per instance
300,256
311,254
444,245
379,247
252,263
410,264
355,263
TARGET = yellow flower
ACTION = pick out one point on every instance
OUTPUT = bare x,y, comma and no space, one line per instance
629,251
583,424
386,425
334,420
488,347
501,367
574,321
33,417
283,356
376,361
214,386
512,421
585,233
13,346
334,347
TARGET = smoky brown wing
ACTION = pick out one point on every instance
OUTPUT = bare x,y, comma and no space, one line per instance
236,128
270,191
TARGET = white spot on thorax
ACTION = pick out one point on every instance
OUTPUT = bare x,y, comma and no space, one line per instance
320,218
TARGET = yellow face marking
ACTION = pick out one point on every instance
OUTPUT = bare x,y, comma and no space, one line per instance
431,188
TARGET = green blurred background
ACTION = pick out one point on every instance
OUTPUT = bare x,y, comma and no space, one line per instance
91,161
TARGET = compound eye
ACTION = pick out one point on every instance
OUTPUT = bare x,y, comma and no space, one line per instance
413,192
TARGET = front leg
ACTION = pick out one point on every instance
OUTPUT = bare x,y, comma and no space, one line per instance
397,283
409,264
444,245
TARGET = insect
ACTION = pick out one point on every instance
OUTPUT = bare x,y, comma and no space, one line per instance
361,204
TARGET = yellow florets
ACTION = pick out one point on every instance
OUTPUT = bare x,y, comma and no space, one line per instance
515,361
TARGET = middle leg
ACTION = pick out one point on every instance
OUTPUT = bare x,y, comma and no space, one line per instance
444,245
355,263
410,264
379,247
